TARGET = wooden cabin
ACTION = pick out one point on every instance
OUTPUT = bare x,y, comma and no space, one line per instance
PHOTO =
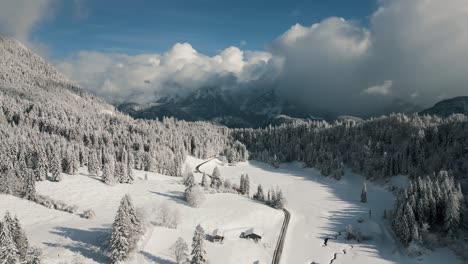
218,236
254,234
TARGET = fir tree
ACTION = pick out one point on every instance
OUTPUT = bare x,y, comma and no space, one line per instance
30,186
8,251
180,251
247,185
204,183
198,249
364,193
107,176
216,178
260,196
56,168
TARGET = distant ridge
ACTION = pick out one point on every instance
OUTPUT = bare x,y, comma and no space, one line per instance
456,105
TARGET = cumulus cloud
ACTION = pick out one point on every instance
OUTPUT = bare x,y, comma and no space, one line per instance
178,71
381,89
412,50
19,17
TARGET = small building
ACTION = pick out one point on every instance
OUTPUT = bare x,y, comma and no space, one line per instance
218,236
253,233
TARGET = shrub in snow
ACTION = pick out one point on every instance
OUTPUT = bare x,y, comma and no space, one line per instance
165,216
34,256
180,251
89,214
195,196
414,249
352,234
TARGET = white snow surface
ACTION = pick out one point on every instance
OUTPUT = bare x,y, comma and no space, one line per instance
320,207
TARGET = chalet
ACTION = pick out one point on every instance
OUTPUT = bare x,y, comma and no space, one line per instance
218,236
253,233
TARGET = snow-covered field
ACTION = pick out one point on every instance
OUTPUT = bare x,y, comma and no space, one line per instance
320,207
68,238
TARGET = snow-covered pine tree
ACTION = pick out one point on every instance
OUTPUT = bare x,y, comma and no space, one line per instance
259,196
130,167
41,167
204,182
364,193
247,185
8,251
126,230
189,180
242,184
29,192
107,176
34,256
56,167
18,235
93,166
216,178
198,249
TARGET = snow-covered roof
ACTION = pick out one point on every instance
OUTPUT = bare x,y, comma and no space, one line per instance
255,231
218,232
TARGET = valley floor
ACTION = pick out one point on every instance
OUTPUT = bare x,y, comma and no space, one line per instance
320,208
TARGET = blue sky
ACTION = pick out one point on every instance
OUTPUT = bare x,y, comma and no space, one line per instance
139,26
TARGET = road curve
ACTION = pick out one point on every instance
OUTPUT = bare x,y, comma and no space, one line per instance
197,169
284,228
279,246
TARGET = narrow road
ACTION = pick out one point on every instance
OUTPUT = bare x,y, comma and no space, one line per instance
282,236
197,169
284,228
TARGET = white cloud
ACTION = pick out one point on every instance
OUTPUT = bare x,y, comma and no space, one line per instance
381,89
178,71
419,45
19,17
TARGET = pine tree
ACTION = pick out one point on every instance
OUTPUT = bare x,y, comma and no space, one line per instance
30,186
198,250
41,168
125,231
34,256
216,178
107,176
130,167
204,183
18,235
364,193
56,167
8,251
93,163
242,184
247,185
260,196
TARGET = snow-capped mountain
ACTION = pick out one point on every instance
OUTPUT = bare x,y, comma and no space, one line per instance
457,105
230,108
26,75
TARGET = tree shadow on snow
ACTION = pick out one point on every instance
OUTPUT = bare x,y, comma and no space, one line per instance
178,197
156,259
90,243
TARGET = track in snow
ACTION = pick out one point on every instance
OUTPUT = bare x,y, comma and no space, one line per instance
280,244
